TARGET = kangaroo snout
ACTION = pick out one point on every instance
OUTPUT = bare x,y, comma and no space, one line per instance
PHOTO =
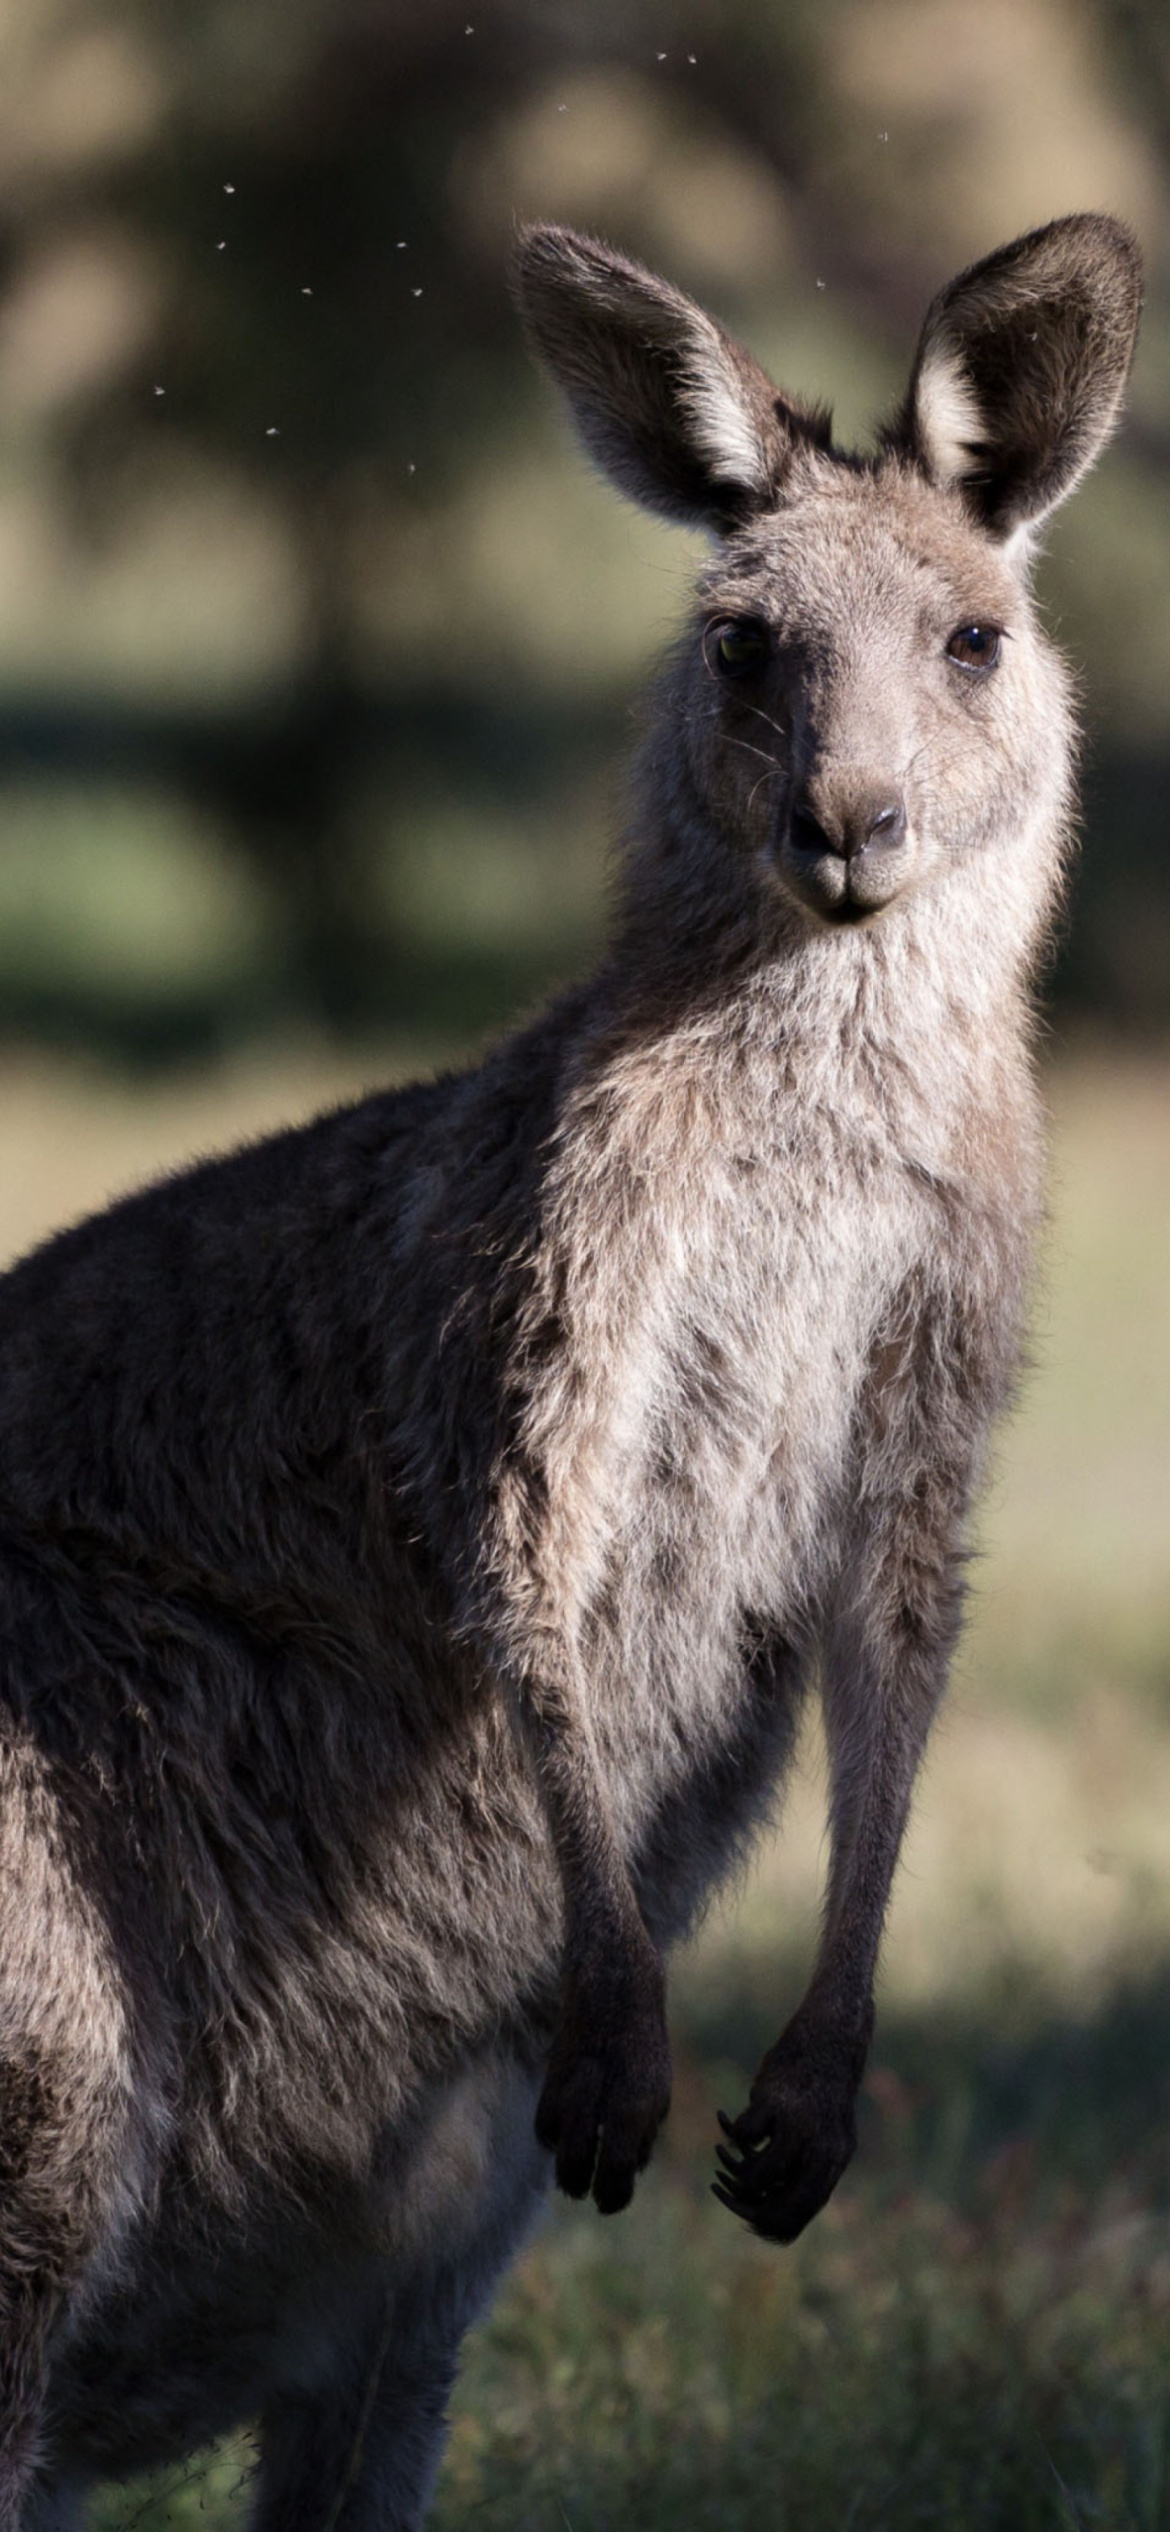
846,851
871,820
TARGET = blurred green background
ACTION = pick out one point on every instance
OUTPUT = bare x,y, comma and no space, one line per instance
318,646
317,640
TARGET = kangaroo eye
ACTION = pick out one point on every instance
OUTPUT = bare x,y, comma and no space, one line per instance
975,646
740,646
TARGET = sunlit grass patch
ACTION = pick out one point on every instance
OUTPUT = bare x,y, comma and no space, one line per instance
205,2492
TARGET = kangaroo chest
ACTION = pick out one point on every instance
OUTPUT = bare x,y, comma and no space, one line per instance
733,1429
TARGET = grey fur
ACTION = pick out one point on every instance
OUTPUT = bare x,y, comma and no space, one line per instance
417,1533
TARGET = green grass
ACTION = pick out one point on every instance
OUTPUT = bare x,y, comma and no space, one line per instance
909,2367
977,2331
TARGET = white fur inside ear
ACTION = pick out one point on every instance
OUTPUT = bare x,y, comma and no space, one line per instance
721,421
1021,546
950,423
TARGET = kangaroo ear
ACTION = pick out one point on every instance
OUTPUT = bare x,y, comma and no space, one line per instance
675,412
1019,373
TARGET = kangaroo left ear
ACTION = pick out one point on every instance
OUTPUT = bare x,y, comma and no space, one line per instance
676,413
1021,367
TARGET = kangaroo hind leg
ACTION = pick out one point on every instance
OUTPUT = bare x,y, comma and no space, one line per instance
64,2112
361,2456
55,2166
360,2452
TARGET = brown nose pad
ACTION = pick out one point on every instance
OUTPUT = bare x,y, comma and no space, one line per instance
871,824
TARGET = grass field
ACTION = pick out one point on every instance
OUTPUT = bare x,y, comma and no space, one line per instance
977,2331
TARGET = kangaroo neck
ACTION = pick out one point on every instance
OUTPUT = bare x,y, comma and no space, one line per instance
892,1024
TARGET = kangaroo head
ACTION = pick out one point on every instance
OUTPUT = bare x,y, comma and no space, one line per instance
865,701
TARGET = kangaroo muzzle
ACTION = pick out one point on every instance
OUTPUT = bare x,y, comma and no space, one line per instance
847,854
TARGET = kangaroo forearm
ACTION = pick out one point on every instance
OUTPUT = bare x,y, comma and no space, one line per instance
868,1820
883,1681
600,1905
787,2151
864,1862
607,2084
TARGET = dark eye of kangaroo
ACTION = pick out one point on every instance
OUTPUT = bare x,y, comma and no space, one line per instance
738,647
975,646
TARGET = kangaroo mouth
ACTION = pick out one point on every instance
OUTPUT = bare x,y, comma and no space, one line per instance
843,890
849,910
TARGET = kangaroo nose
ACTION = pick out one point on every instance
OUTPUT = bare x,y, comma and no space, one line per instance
872,821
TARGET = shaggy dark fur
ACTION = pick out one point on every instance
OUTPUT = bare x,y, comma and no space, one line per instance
417,1532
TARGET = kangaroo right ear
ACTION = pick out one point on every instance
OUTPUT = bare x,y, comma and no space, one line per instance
676,412
1021,367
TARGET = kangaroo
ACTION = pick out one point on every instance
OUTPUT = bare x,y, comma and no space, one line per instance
418,1532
